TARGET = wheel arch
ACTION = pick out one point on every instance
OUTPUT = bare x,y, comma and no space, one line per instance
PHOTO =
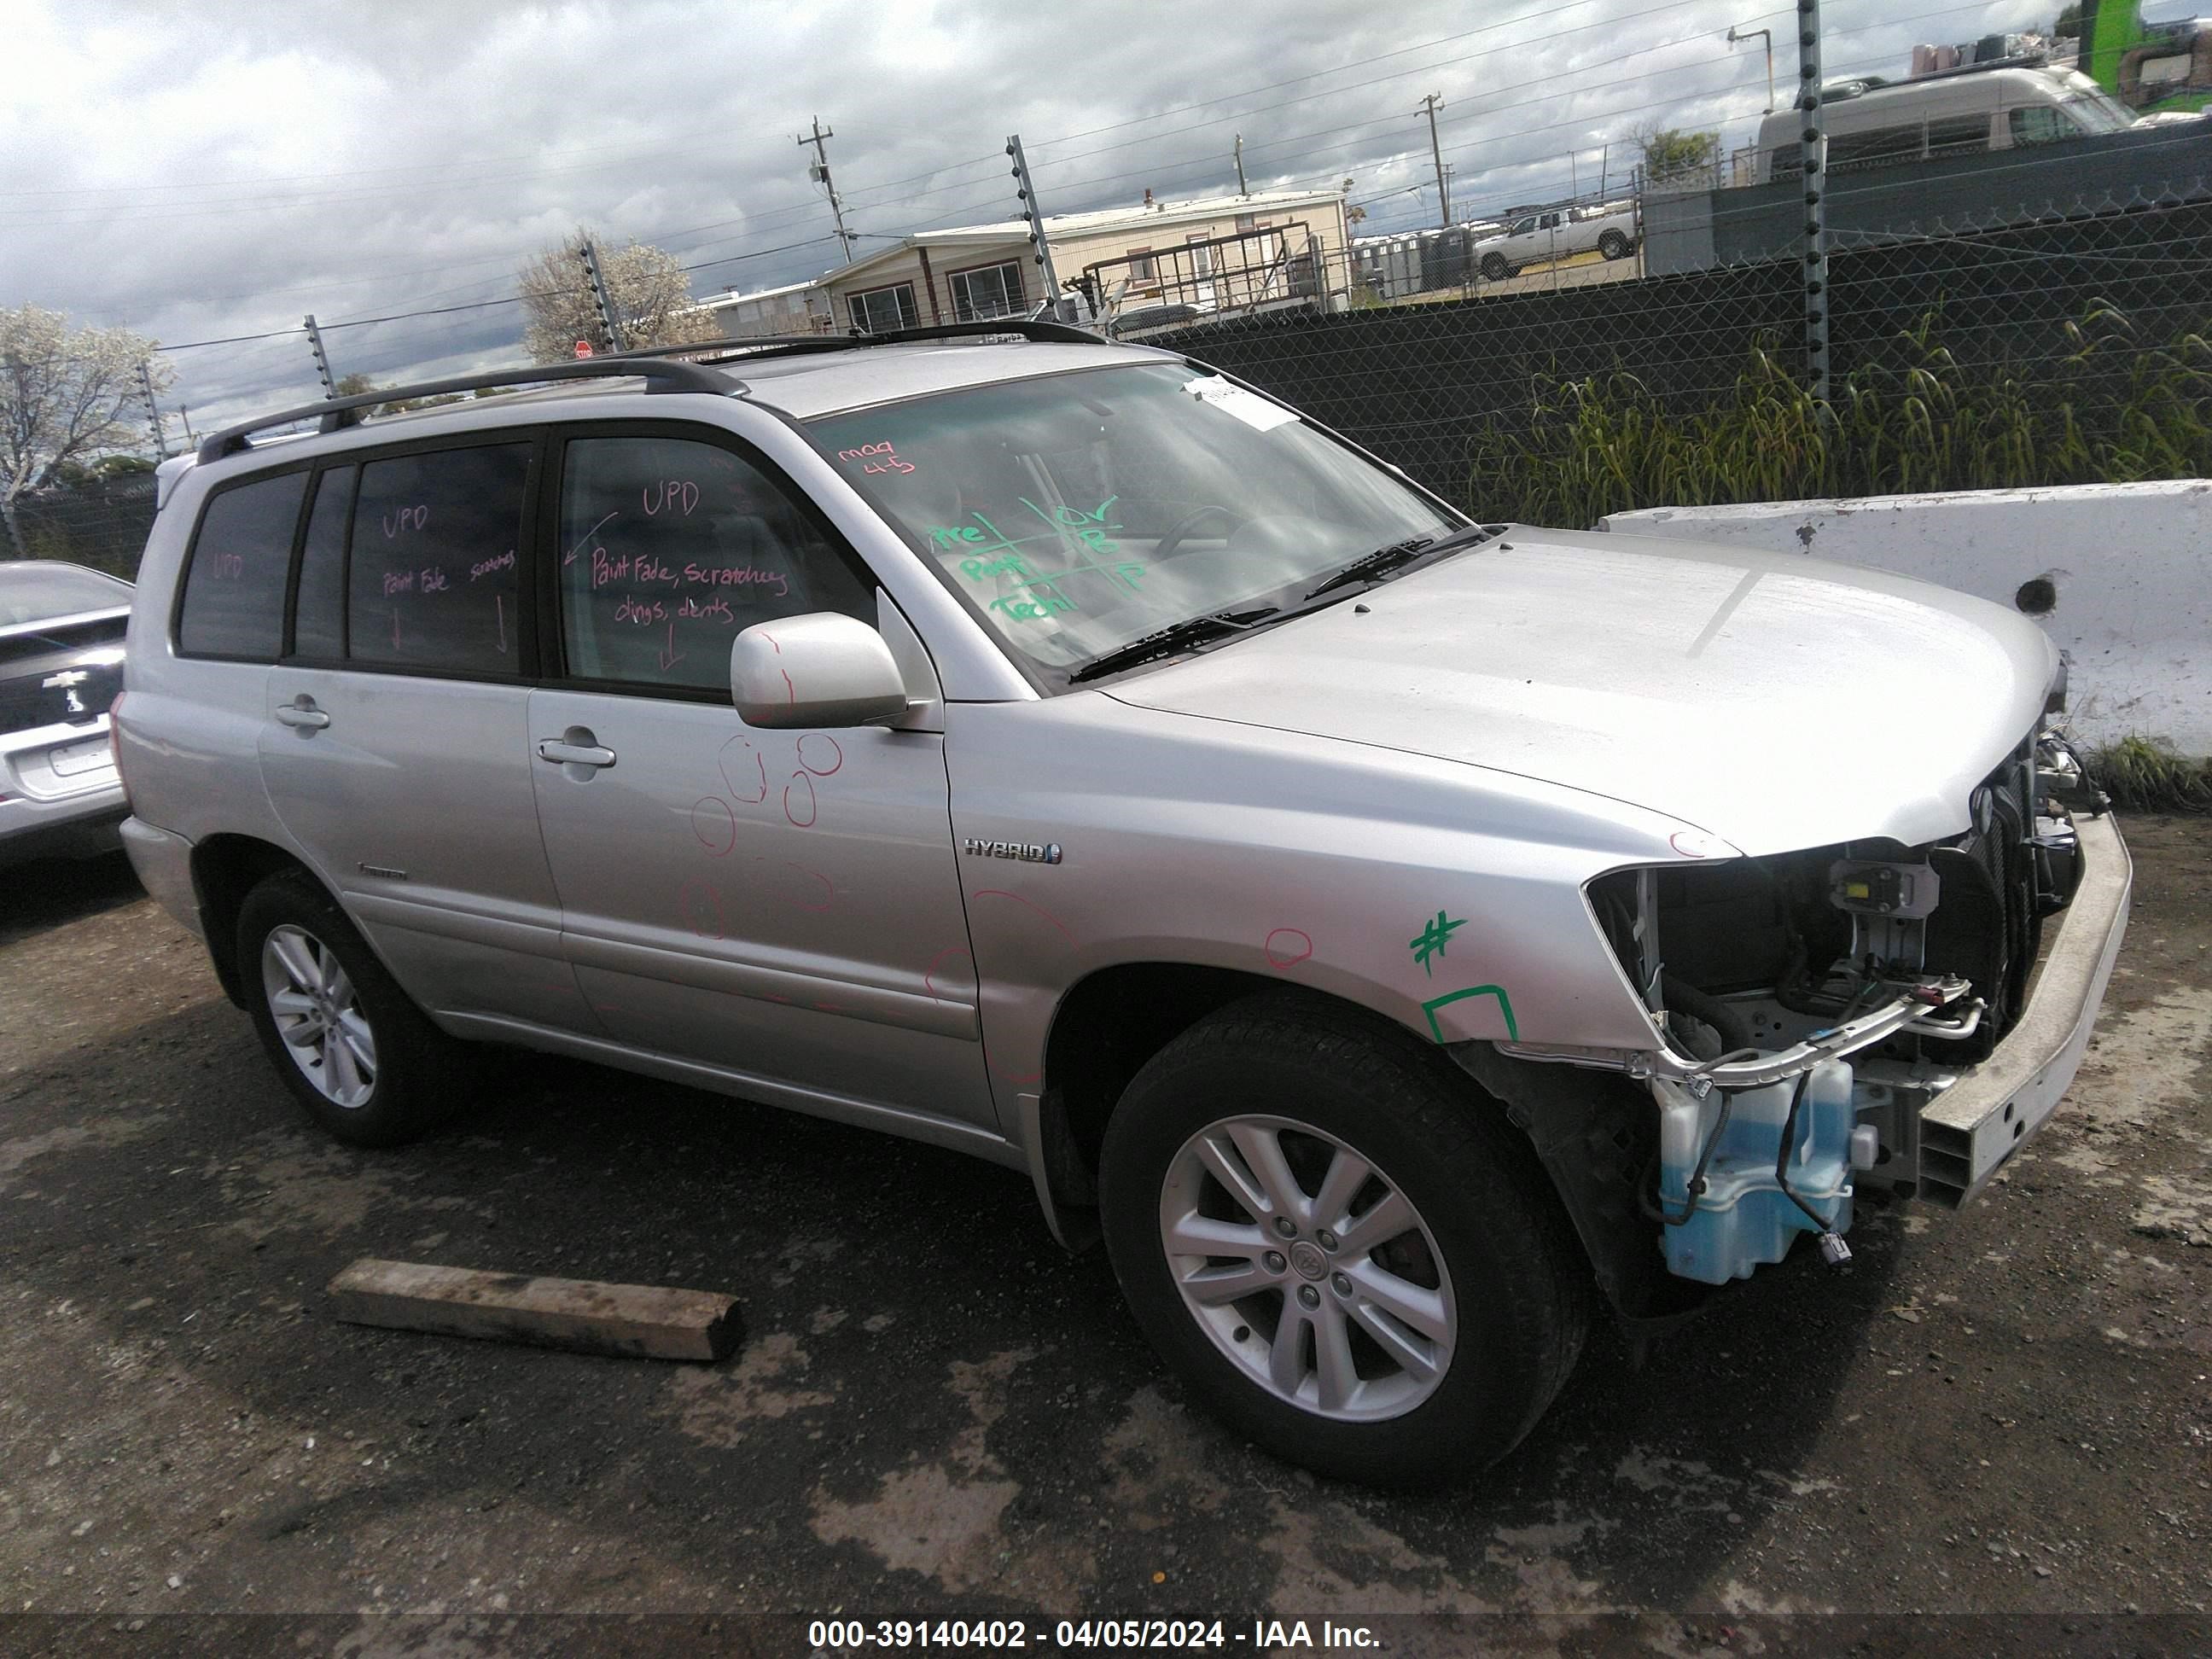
1106,1027
225,869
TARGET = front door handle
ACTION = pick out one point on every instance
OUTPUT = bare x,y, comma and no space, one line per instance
574,748
303,714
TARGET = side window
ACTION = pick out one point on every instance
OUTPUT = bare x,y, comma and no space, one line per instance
1877,147
1959,135
669,547
2039,125
319,611
241,559
433,578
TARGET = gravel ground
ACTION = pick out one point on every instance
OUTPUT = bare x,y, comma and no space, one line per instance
2000,1413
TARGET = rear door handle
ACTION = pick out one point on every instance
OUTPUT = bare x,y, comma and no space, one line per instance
303,714
563,753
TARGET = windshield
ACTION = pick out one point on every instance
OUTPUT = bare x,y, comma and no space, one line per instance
2095,109
1080,512
35,591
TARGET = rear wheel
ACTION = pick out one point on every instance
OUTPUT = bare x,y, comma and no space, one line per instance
1494,267
1613,244
1331,1237
355,1052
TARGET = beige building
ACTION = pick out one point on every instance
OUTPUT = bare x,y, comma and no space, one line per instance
1214,254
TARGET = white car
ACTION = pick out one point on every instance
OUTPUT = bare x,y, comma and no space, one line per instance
61,665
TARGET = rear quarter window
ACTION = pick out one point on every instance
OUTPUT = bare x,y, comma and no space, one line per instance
241,558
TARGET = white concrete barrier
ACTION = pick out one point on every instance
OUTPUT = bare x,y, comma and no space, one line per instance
2120,575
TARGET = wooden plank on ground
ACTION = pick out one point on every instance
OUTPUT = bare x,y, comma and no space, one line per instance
644,1322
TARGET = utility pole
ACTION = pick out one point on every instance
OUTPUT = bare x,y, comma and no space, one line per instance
322,357
154,409
1813,154
1736,37
818,171
1433,103
1027,192
1243,189
602,307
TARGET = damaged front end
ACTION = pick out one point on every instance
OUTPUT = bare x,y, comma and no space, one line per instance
1864,1012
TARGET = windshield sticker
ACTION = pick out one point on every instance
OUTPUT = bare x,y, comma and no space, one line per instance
1248,407
877,458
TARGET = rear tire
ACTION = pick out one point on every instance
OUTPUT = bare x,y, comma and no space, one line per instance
1494,268
1435,1299
1613,244
362,1060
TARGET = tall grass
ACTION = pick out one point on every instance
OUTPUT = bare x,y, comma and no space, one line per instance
2106,408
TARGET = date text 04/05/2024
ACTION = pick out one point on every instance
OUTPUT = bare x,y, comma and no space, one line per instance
853,1635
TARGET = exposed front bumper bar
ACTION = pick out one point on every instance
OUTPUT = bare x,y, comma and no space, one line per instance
1902,1014
1989,1114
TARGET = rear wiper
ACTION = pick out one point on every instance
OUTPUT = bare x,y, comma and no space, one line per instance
1398,553
1168,640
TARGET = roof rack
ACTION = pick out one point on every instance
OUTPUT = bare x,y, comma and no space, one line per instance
335,414
773,345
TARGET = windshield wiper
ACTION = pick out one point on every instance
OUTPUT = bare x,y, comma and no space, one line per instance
1389,558
1166,641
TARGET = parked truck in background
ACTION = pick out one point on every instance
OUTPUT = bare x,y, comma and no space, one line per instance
1556,234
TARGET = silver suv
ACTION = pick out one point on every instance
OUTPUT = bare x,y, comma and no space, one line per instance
1399,938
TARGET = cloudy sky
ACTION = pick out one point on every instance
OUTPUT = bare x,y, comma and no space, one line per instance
200,172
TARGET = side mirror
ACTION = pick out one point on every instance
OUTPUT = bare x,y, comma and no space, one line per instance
822,669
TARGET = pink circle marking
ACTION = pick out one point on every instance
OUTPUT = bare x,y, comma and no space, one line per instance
718,832
929,979
760,766
828,888
1287,947
821,737
812,806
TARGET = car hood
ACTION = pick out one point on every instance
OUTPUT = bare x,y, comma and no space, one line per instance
1773,701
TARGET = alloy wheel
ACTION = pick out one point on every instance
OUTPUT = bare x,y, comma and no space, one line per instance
1308,1268
319,1016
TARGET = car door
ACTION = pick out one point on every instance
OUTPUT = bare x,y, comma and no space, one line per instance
395,748
782,905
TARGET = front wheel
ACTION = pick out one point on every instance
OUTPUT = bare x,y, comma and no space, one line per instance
1339,1246
1494,268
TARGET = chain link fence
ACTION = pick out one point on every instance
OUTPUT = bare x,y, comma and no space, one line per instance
2027,320
102,522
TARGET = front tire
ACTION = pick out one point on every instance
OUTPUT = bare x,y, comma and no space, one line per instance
359,1056
1494,268
1338,1243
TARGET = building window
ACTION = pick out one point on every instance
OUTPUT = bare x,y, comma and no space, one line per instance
992,291
1140,264
1246,221
881,310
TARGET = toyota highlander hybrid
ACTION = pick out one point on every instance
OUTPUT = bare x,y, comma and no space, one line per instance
1399,938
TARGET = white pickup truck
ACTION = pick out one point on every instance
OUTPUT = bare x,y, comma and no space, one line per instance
1538,238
